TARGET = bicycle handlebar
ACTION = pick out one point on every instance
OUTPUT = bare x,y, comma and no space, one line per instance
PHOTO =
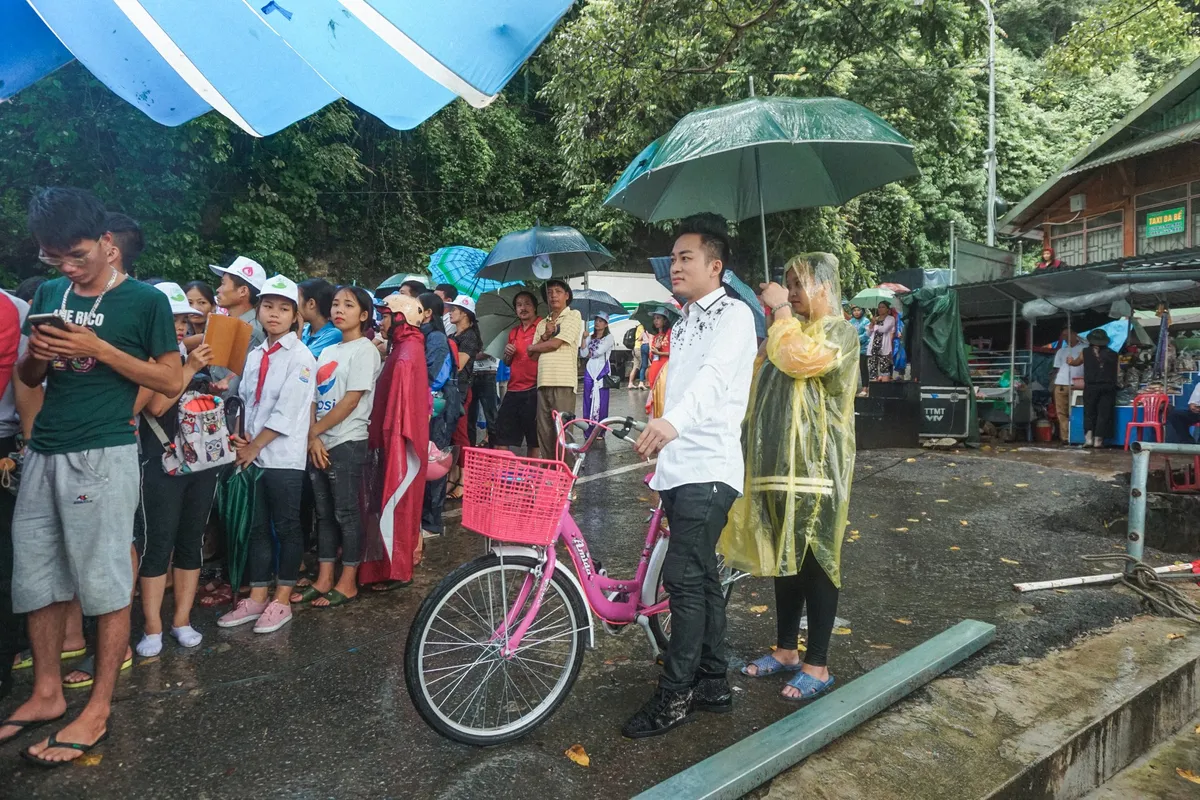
564,422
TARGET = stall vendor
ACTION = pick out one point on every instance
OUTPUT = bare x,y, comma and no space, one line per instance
1181,420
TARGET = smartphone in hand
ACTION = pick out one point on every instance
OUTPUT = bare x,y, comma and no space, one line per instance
53,320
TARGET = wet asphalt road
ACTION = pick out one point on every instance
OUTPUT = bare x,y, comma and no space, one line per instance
320,709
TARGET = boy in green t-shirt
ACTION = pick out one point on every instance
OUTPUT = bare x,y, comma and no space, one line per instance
80,478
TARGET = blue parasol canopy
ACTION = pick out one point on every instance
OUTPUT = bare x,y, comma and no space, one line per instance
269,63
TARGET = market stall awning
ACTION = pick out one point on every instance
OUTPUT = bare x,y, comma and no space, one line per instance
1144,281
265,65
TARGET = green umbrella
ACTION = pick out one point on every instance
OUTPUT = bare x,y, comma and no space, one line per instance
645,312
869,299
393,283
236,495
762,155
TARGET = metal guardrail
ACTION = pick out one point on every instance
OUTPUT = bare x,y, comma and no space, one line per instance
1136,539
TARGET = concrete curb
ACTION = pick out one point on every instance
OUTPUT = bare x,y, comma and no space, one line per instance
1055,727
1096,753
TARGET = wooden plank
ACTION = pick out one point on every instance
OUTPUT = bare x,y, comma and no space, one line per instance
761,756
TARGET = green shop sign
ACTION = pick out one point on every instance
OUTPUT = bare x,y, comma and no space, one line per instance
1165,223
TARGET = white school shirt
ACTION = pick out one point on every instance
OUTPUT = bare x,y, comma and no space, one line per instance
708,389
285,406
1066,372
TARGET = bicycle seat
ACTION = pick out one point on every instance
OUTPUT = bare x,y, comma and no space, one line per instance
649,477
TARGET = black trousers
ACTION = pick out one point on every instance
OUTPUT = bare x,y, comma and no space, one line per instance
485,398
277,504
1179,425
434,500
1098,404
12,626
696,513
810,587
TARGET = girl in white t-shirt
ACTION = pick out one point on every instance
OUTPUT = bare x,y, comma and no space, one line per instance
337,448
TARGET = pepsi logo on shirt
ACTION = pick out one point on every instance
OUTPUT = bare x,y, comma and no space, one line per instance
325,384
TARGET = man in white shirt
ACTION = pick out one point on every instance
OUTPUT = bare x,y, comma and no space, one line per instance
1064,377
700,469
1181,420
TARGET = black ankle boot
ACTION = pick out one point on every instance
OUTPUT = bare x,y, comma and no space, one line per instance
712,694
662,712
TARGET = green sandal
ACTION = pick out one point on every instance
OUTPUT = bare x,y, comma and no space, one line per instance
308,594
335,599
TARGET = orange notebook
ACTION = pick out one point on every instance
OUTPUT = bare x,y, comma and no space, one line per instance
229,339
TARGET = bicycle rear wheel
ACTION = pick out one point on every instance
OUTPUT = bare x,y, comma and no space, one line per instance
460,683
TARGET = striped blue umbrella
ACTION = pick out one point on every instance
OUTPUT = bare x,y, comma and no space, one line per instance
459,267
267,64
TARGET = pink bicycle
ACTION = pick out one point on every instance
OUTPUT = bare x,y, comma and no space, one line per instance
496,646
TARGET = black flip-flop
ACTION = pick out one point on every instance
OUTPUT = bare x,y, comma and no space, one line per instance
26,725
387,586
54,742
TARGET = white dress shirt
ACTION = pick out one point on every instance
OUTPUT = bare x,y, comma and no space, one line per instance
708,389
1066,373
286,401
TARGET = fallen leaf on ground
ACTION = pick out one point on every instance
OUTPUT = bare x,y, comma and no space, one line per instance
89,760
854,533
880,646
903,621
643,499
1198,729
758,609
1173,636
900,530
1062,591
840,631
1187,775
952,464
987,483
963,522
954,547
941,501
1057,494
912,519
1009,561
873,516
577,754
1021,485
918,494
954,478
910,461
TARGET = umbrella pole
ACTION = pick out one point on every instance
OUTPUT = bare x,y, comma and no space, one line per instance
762,217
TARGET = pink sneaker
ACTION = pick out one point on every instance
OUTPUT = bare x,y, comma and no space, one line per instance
273,618
246,611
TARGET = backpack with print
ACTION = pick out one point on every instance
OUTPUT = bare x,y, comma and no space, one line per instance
202,441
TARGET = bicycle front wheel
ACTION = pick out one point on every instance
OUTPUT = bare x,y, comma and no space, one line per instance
461,684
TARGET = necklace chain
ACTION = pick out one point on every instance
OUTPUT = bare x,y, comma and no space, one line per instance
71,287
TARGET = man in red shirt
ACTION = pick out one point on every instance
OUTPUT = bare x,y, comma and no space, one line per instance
516,422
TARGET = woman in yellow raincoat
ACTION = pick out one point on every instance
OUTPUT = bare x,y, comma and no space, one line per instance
799,443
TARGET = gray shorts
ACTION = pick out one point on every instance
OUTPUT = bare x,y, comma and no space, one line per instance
71,529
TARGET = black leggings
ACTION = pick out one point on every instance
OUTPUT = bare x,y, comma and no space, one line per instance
811,587
176,509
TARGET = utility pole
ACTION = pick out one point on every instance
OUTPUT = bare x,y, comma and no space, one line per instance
990,153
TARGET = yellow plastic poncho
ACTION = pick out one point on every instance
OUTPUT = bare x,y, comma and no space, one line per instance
799,437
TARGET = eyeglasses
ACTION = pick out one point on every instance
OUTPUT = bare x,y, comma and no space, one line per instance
69,261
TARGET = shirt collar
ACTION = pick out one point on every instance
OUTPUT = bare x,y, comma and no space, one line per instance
288,341
706,303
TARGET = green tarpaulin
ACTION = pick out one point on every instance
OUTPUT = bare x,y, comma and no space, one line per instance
942,333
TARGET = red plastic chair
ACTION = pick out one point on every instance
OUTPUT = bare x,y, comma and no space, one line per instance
1154,416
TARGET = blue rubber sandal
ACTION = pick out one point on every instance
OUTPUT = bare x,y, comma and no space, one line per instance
768,665
808,686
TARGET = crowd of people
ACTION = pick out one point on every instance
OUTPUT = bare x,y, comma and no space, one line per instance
352,410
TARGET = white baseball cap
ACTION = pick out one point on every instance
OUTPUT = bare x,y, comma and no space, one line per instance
280,286
177,299
247,269
464,302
